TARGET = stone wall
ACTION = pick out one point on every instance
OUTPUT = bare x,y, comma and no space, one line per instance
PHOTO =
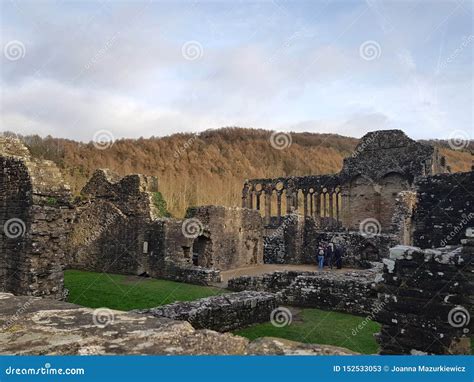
222,313
402,220
426,297
444,209
226,237
384,163
324,290
111,224
296,241
35,214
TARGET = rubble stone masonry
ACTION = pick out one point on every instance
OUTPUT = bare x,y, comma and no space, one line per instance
427,300
35,217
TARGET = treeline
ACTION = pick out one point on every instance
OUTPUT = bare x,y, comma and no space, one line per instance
207,168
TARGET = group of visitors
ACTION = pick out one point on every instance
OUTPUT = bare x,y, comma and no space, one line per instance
330,253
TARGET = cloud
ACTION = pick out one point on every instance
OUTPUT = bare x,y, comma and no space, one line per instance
119,66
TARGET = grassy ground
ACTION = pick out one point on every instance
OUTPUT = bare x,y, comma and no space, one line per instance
321,327
120,292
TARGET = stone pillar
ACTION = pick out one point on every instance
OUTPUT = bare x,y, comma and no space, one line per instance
268,205
279,206
426,301
289,201
245,195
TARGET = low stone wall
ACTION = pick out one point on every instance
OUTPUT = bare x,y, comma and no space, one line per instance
269,282
426,297
351,292
192,274
222,313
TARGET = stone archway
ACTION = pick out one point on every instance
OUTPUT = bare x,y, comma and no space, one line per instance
202,252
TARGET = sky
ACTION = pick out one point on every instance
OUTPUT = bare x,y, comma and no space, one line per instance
153,68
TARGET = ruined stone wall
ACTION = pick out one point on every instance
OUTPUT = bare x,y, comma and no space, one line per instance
444,209
324,290
348,292
427,301
402,220
384,163
111,225
221,313
223,237
296,241
35,214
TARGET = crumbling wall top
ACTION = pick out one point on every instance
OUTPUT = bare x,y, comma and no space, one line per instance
46,179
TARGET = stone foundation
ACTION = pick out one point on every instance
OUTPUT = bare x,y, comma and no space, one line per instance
221,313
427,301
192,274
350,292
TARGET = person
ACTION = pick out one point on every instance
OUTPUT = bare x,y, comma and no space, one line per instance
321,256
339,252
329,255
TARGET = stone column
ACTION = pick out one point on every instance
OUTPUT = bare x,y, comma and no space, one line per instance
337,205
279,206
245,196
257,195
289,201
268,205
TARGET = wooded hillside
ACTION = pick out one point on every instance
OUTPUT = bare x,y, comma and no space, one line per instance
208,168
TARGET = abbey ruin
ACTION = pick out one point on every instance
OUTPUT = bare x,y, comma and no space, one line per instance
404,221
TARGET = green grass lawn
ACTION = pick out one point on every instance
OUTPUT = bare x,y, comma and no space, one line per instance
321,327
96,290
